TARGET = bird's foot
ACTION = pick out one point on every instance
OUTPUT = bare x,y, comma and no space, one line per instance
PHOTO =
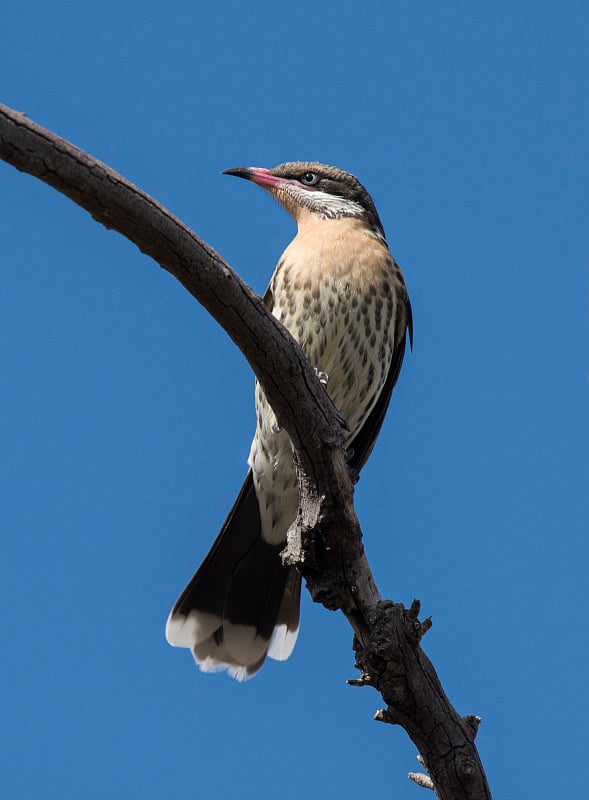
323,376
354,473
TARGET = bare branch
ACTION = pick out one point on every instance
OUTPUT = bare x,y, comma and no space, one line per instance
325,543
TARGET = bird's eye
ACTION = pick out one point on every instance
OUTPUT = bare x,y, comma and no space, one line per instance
309,178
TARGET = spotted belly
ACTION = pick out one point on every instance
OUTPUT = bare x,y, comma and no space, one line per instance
347,331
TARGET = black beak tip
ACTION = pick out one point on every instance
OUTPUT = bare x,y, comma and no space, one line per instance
239,172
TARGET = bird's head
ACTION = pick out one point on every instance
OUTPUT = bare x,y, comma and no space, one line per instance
309,187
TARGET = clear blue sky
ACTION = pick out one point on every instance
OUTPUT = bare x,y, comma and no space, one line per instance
126,414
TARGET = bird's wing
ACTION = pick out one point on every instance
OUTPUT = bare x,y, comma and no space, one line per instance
363,442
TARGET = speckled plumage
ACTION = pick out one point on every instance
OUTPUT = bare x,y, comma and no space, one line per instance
337,290
342,296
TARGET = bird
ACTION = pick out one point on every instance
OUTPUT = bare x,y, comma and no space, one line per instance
343,297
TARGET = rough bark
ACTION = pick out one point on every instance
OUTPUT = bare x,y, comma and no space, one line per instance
325,543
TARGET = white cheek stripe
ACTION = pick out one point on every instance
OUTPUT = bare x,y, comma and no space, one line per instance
324,203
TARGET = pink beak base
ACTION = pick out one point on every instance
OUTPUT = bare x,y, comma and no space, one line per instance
259,175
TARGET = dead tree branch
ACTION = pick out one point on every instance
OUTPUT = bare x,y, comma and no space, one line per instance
325,542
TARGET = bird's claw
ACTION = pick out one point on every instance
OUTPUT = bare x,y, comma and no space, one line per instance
354,473
323,376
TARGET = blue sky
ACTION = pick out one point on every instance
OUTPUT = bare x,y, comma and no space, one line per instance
126,414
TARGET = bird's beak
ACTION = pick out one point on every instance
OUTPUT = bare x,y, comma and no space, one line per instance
259,175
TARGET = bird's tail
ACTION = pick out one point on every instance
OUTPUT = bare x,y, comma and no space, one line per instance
242,603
